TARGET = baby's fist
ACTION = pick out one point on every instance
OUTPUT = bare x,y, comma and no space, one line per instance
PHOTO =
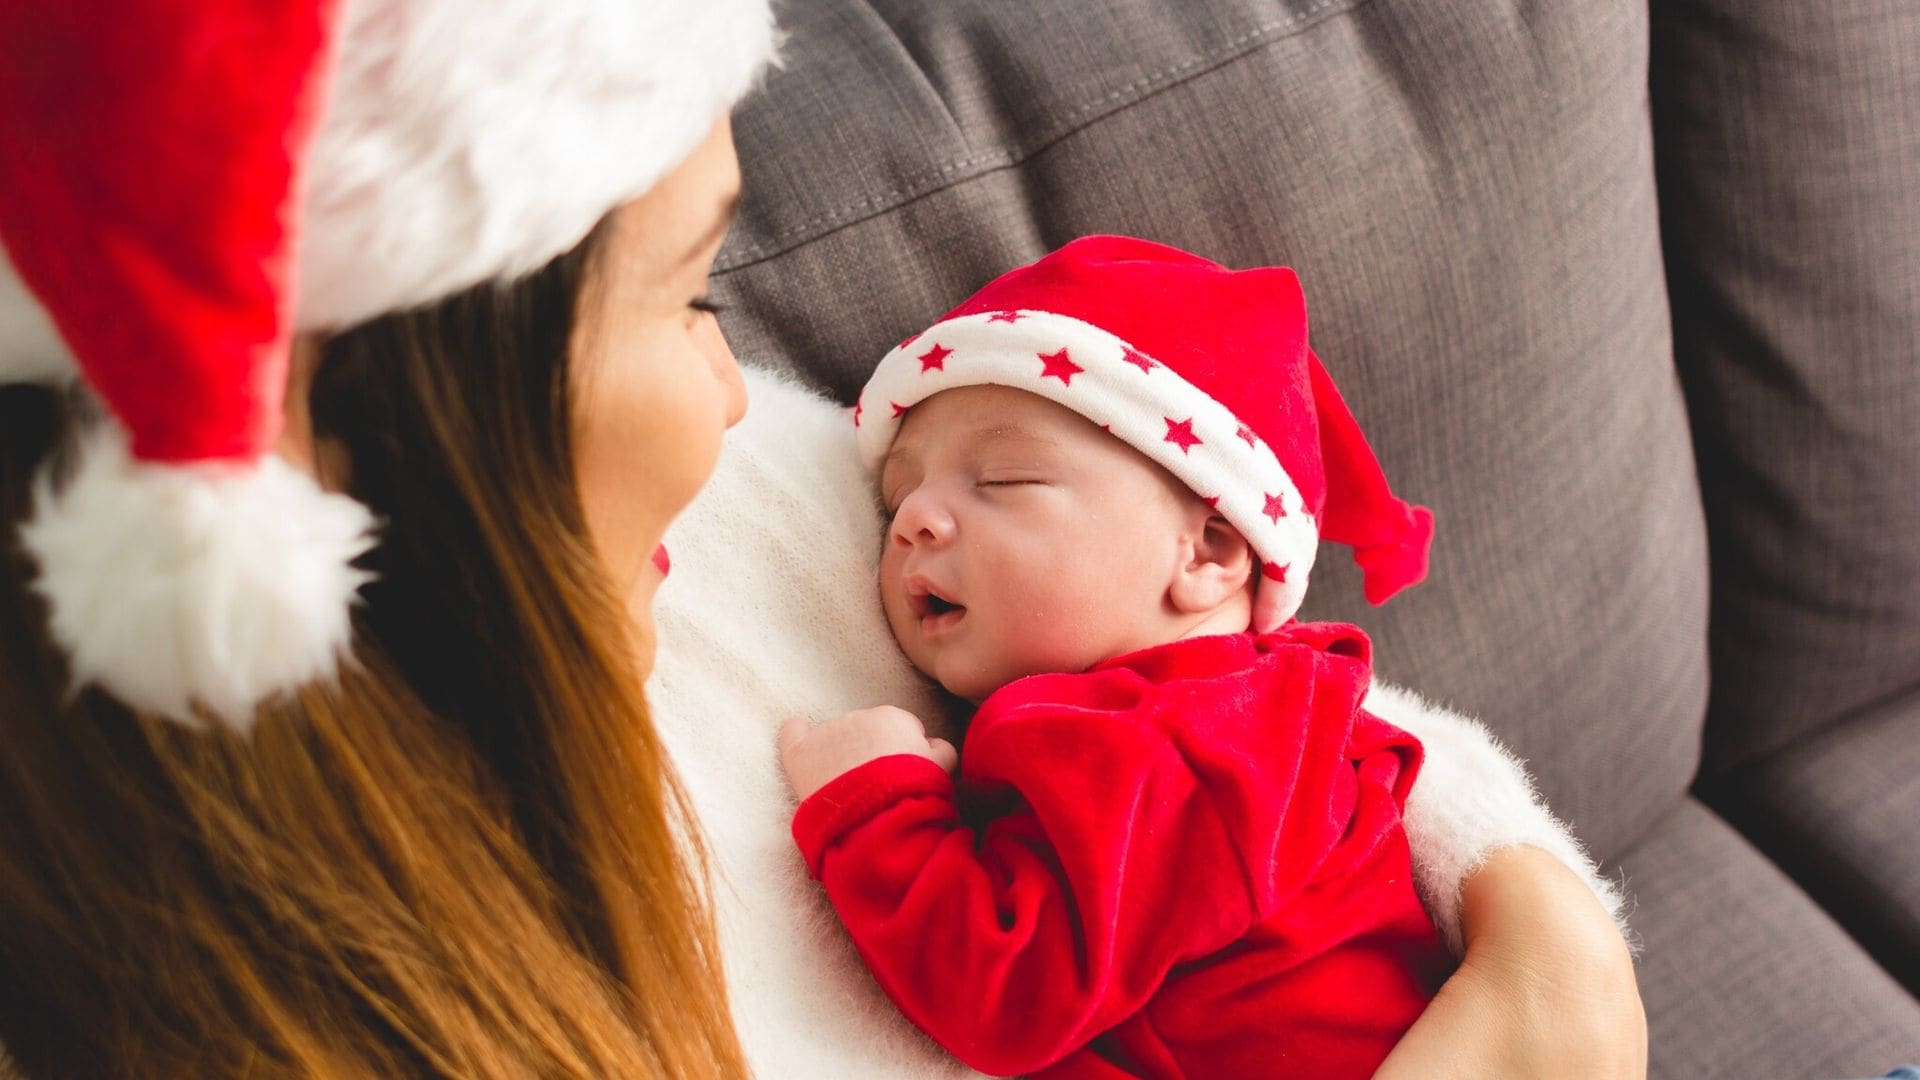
812,756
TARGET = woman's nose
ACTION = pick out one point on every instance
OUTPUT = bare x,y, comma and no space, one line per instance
922,519
726,372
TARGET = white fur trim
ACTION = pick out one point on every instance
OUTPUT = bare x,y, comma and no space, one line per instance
1474,797
210,584
465,142
1138,404
30,348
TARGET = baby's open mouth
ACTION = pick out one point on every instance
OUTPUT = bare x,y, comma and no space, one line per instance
932,609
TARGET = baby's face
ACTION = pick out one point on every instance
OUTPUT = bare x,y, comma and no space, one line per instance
1024,539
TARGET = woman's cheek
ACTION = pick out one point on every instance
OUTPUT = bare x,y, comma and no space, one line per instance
674,419
704,436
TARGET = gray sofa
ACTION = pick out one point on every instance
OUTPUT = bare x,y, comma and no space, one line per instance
1629,296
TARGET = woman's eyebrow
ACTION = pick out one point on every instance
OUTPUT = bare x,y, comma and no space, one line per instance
714,232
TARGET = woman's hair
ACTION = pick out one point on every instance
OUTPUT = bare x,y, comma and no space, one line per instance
467,857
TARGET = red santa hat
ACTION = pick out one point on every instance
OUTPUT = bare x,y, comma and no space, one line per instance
1206,371
183,187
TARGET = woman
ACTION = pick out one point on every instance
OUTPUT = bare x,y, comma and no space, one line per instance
460,851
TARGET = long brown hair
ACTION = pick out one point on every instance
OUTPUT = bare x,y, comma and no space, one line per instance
467,857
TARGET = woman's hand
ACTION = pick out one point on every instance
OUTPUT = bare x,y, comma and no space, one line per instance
812,756
1546,989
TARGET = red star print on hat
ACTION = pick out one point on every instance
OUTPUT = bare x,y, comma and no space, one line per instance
183,187
1205,370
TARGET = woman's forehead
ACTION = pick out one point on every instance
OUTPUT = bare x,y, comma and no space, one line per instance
680,220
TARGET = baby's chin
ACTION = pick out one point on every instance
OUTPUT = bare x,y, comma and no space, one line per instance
974,684
968,687
963,681
968,694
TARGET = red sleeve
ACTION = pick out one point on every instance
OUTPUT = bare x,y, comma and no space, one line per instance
1147,828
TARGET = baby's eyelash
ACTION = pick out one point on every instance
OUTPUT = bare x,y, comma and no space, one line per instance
705,306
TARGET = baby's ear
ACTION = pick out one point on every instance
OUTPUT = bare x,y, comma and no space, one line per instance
1218,564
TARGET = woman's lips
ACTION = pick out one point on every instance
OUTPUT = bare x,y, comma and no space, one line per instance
660,560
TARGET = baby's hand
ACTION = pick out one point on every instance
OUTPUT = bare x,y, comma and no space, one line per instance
814,755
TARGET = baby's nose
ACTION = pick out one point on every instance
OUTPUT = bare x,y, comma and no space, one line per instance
922,520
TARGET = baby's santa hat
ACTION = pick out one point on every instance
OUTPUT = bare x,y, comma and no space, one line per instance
1206,371
185,186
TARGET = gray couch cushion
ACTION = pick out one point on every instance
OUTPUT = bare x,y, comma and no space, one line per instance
1744,976
1467,191
1789,157
1839,811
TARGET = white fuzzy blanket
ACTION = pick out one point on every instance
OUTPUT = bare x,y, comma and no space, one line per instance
771,610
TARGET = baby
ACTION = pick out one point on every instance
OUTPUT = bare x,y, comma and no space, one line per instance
1174,847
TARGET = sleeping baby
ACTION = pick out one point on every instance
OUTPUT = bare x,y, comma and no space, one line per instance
1173,846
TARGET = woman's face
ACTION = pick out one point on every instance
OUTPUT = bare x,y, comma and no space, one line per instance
655,385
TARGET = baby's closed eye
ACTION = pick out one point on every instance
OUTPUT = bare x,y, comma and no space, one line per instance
1010,478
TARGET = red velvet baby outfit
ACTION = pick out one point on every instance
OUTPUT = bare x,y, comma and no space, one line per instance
1186,862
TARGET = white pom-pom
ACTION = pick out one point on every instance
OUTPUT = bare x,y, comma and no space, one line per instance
215,585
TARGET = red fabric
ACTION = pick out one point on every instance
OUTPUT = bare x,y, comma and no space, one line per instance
148,194
1188,861
1240,336
1389,538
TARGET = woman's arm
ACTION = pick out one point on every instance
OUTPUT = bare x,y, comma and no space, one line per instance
1546,984
1546,987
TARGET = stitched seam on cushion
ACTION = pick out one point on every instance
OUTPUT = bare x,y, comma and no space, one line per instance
1080,118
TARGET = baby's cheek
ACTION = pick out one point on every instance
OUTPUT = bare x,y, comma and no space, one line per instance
1045,638
886,587
900,623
